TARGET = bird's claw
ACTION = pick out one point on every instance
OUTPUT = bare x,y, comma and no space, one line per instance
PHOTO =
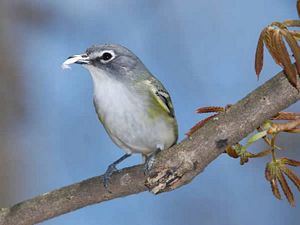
107,176
149,164
150,161
111,169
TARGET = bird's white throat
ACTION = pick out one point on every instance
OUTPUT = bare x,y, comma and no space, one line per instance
111,95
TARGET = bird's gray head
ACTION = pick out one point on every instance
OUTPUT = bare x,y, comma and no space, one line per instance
114,60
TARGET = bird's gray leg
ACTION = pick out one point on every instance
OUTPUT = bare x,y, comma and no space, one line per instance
111,169
150,161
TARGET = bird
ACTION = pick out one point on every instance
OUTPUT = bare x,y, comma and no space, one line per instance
132,104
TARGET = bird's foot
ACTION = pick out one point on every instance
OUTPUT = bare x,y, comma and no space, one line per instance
107,176
148,164
111,169
150,161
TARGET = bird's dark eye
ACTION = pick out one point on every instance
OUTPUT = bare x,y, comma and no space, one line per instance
106,56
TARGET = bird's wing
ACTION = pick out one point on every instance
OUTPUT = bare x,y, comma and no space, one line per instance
161,95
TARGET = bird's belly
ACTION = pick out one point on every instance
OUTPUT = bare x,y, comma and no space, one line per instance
136,132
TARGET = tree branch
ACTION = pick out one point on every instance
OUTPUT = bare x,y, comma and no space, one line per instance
173,167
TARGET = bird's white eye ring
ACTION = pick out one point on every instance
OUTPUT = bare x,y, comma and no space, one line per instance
106,56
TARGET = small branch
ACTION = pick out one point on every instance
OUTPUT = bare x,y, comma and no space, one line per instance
173,168
128,181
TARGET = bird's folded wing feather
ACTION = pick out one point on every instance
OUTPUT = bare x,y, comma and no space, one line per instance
161,95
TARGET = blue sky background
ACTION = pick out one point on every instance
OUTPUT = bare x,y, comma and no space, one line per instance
203,52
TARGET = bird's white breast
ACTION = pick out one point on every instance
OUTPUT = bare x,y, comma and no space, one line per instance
124,114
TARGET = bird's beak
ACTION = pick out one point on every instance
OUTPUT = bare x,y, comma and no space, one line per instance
78,59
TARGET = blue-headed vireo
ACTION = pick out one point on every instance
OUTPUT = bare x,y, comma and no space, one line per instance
133,106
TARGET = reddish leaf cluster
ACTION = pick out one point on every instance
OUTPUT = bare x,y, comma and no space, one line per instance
274,38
